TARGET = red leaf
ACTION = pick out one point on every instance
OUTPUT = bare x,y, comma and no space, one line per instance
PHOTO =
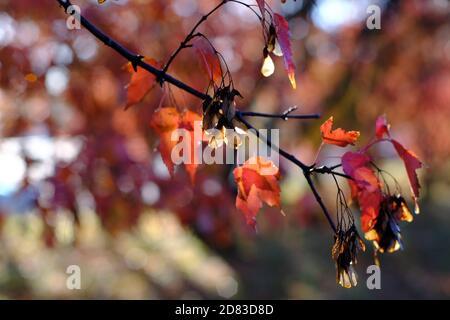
412,163
209,58
338,137
189,120
381,127
257,180
141,82
354,160
282,28
164,121
365,187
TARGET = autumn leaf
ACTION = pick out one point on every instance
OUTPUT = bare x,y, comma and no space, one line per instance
164,121
141,82
258,181
338,137
282,29
365,187
412,163
209,58
189,121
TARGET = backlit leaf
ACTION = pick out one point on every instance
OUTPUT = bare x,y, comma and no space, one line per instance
282,29
258,181
141,82
338,137
412,163
209,59
164,121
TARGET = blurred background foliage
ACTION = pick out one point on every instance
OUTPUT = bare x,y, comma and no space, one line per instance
81,182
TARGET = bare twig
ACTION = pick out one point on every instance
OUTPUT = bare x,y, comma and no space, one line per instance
284,116
330,170
191,35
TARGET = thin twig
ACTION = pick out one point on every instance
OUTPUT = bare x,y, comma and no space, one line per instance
307,170
330,170
283,116
135,59
191,35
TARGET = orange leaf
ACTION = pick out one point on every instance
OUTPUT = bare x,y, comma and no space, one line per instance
338,137
164,122
188,121
258,181
141,82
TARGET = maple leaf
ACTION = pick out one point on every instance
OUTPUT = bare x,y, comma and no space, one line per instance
411,161
188,121
258,181
282,29
164,121
366,187
338,137
141,82
209,58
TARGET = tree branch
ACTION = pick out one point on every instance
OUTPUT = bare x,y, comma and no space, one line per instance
281,116
307,170
136,61
330,170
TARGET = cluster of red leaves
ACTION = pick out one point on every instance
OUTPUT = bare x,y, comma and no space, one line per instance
254,184
254,187
365,186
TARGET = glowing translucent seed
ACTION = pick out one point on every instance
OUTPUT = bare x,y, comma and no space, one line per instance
277,49
268,67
